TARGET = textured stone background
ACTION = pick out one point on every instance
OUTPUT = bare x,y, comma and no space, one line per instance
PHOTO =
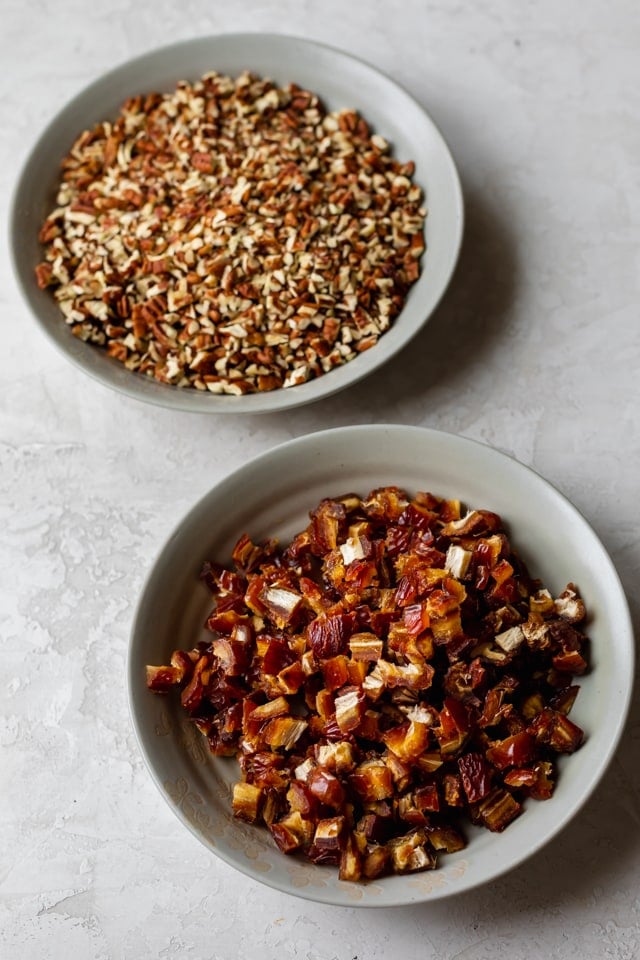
535,350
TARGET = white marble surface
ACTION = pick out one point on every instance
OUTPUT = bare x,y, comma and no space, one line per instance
536,350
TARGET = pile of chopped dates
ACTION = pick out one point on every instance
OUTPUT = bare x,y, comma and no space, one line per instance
232,236
391,672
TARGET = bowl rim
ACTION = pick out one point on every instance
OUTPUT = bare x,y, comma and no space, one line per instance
225,486
167,395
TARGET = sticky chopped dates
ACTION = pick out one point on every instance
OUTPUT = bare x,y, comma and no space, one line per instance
391,672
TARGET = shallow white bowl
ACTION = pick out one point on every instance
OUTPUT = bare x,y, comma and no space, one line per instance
341,81
272,495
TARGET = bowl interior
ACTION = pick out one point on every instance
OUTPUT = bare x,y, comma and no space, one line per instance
341,81
272,496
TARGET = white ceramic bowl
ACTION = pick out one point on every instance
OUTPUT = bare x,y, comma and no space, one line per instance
341,81
271,495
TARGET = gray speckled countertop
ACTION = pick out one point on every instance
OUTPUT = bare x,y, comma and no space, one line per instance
536,350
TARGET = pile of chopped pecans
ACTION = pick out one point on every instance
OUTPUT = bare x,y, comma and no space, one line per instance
232,236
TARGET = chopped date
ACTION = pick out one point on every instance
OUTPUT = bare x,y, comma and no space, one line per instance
496,810
536,781
475,774
513,751
390,672
329,635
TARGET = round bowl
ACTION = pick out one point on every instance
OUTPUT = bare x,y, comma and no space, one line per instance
341,81
271,496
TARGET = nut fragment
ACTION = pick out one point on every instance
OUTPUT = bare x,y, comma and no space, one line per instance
390,670
232,236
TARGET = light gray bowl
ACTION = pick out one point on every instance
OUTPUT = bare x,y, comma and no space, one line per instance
341,81
271,496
